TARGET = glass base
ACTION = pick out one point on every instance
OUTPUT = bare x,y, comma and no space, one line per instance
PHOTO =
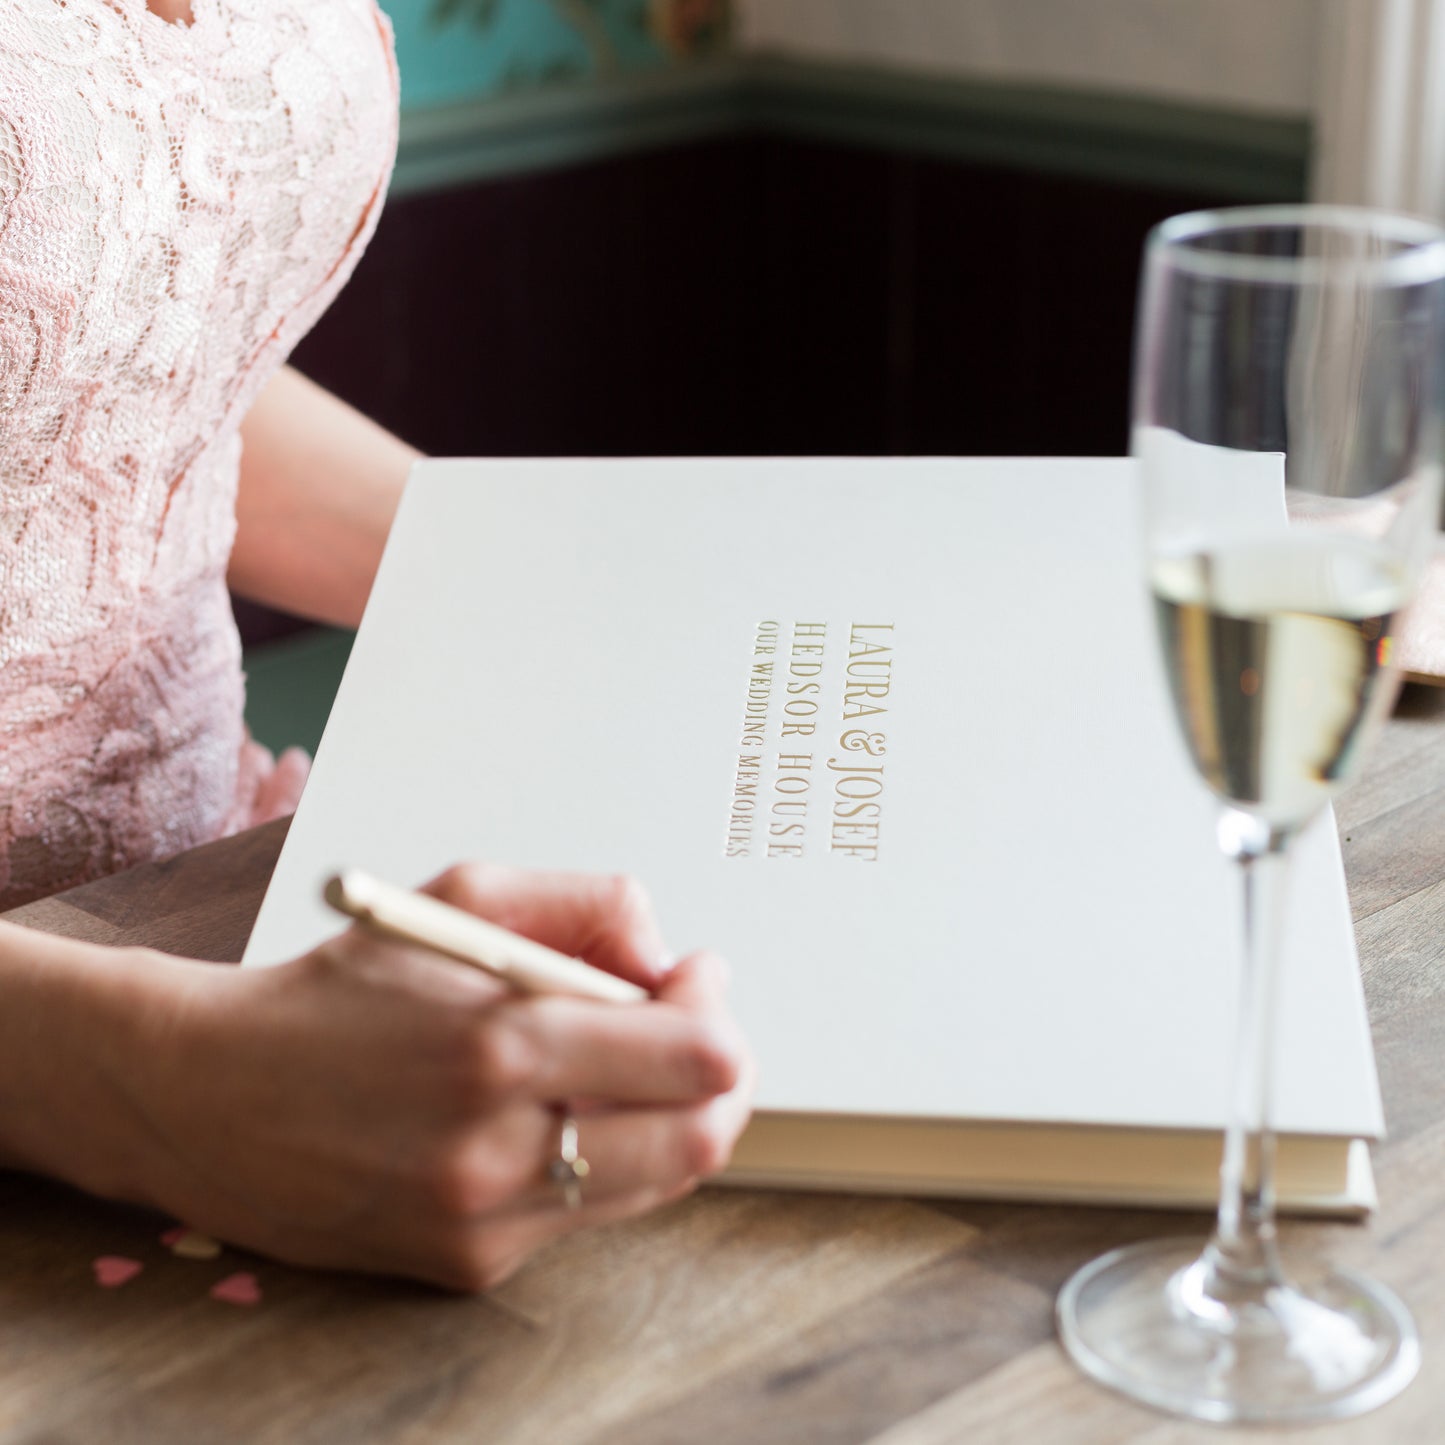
1135,1320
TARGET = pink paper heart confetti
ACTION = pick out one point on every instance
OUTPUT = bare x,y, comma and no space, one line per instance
190,1243
237,1289
113,1270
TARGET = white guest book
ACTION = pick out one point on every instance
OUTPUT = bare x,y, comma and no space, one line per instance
892,736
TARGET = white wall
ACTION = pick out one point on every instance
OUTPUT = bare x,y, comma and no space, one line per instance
1256,55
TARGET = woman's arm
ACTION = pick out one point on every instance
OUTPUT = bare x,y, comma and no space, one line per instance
319,487
66,1012
370,1106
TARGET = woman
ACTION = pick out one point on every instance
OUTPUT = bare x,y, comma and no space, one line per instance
182,192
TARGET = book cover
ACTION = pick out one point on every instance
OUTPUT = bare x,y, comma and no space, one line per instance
892,736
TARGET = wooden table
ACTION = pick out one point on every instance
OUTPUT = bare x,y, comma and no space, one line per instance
736,1316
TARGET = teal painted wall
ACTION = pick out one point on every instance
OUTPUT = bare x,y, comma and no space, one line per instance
452,51
505,87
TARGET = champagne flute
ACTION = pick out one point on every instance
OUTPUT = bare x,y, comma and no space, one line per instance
1287,423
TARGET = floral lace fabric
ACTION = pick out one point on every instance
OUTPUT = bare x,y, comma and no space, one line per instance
178,205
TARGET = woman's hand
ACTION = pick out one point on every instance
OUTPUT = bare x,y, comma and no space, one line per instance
372,1106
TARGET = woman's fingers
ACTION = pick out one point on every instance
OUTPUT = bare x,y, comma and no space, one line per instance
698,984
606,919
280,791
505,1167
637,1150
636,1161
554,1048
621,1155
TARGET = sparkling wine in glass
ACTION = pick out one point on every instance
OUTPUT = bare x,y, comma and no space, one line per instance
1287,424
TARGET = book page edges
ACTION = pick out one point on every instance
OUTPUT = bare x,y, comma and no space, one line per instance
1094,1164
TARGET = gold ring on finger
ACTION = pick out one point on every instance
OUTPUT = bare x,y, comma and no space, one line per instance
569,1168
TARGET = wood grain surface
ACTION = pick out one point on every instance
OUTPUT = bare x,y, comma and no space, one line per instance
736,1316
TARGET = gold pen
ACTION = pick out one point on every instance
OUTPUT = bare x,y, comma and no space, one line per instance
520,962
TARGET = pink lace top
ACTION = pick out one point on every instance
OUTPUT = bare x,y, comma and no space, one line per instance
178,204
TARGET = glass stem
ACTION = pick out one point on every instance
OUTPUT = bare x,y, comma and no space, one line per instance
1242,1261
